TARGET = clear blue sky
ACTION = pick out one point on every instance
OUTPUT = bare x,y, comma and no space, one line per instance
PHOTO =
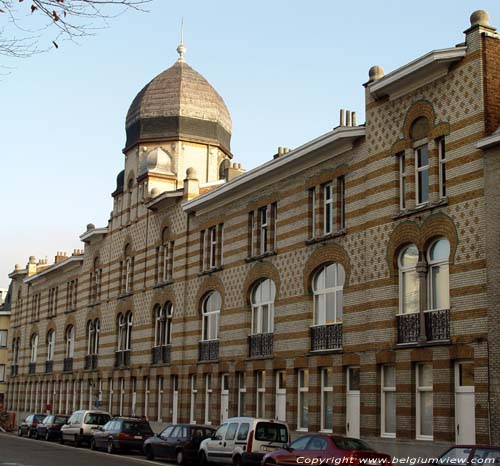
284,68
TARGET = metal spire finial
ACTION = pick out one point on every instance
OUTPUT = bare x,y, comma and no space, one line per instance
181,50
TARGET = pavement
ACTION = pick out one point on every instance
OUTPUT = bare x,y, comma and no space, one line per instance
21,451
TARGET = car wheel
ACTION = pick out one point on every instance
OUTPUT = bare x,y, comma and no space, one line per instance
179,457
47,436
110,448
19,432
148,451
61,440
30,434
92,445
77,441
237,460
203,459
37,435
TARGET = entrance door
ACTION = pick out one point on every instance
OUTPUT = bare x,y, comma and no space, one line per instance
175,398
280,396
465,416
352,402
224,398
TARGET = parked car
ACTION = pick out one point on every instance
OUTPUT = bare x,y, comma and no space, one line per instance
81,426
178,441
28,426
244,441
121,433
470,454
50,427
320,446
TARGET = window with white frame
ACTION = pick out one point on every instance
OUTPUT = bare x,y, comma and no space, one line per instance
264,226
71,295
70,341
165,259
341,202
409,288
3,338
388,401
438,274
402,180
262,230
303,400
442,168
163,324
93,331
34,347
146,396
51,344
16,344
328,285
326,424
111,393
208,398
159,398
125,322
422,174
328,208
242,392
122,396
211,247
2,372
52,310
280,396
133,407
192,404
211,307
260,379
313,208
262,298
95,282
424,401
35,307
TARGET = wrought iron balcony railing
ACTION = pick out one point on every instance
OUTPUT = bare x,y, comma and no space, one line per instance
208,350
437,326
326,337
90,362
49,367
160,354
122,359
68,364
260,344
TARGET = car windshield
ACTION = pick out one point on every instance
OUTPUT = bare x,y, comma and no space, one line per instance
39,418
351,444
141,427
60,420
455,456
487,456
97,419
48,420
271,432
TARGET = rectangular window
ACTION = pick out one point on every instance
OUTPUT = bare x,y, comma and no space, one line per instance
52,311
312,212
260,379
192,404
146,396
242,391
129,273
110,385
2,372
422,174
251,234
134,395
402,181
212,247
424,398
303,400
442,168
159,398
3,338
328,208
264,229
220,257
327,400
388,401
208,398
341,202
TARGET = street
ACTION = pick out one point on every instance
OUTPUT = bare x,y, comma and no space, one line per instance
16,451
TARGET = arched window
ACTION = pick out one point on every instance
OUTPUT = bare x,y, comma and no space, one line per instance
408,280
165,258
127,271
263,296
125,331
211,313
93,330
438,274
16,343
51,343
34,347
328,285
95,282
163,324
70,341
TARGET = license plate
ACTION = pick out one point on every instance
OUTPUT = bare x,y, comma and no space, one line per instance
137,437
266,448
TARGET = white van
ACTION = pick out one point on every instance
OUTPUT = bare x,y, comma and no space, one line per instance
244,441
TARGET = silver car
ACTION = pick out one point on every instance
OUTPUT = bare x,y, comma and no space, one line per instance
82,424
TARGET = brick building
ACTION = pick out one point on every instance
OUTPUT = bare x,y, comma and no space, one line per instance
348,285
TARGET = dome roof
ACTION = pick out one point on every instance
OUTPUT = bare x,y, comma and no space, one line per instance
179,104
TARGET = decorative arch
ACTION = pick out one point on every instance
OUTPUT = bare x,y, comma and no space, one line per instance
211,283
259,271
163,295
123,307
94,313
325,255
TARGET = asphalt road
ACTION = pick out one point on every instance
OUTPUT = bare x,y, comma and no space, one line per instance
16,451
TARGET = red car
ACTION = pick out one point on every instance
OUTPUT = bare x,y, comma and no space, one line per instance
464,455
315,449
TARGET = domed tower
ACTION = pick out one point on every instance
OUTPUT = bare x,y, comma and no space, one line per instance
177,121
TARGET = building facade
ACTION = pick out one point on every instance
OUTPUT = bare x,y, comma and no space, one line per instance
347,286
4,332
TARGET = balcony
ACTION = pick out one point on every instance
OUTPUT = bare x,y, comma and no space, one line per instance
437,326
260,344
122,359
208,350
90,363
326,337
32,368
68,364
14,370
49,367
160,354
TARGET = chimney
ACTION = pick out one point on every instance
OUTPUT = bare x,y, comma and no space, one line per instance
281,151
347,118
234,170
191,184
60,256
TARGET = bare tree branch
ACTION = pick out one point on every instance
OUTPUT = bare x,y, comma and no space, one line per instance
26,23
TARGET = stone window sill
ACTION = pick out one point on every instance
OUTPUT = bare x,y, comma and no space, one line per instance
423,208
162,284
322,239
261,256
211,271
